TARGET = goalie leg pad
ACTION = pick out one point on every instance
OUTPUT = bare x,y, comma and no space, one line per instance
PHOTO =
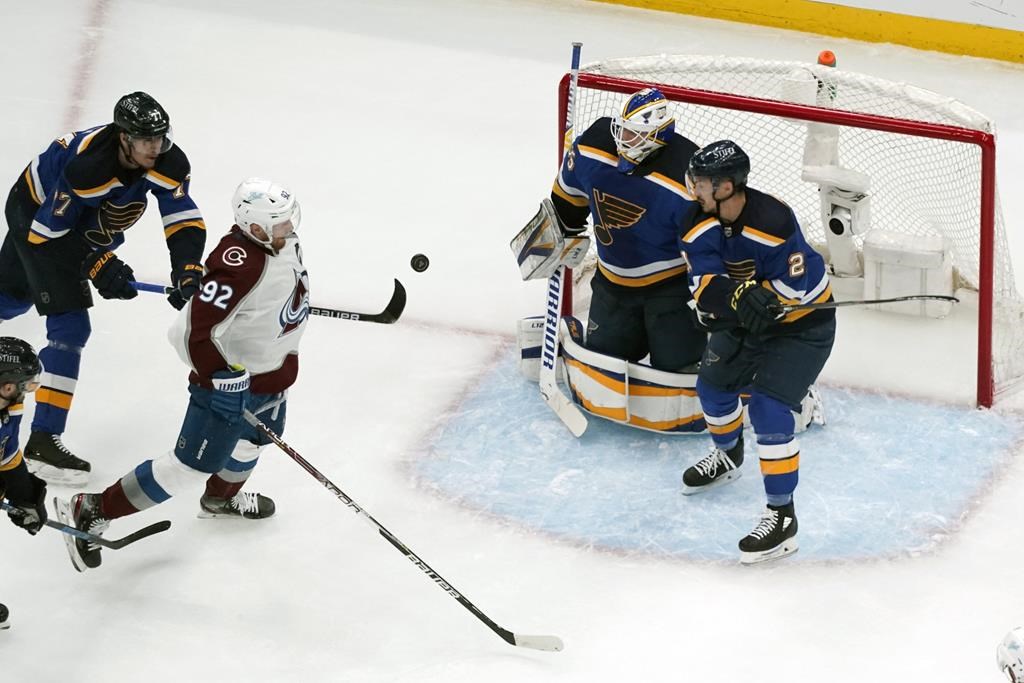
630,393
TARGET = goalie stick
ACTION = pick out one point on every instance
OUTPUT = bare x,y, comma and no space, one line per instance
113,544
546,643
389,315
567,411
788,308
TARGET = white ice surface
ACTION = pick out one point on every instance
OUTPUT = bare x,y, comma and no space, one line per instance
429,127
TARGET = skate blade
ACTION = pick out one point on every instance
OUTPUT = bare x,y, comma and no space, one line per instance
57,476
787,547
62,509
727,478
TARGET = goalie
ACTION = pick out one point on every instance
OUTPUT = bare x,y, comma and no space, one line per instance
628,174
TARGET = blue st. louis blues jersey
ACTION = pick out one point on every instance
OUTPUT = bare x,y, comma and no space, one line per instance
81,188
636,215
10,424
765,244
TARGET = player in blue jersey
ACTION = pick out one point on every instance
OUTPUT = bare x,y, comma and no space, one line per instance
24,492
747,257
628,174
66,215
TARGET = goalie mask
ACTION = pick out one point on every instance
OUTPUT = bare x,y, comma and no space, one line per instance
1009,655
644,126
267,205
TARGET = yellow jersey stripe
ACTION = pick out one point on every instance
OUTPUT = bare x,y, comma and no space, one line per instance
786,466
575,201
171,229
641,281
699,229
99,190
54,398
12,463
594,152
762,237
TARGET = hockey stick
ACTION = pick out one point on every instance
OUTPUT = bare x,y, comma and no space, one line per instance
787,308
116,544
390,314
567,411
546,643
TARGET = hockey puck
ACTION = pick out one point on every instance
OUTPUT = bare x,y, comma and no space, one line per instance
419,263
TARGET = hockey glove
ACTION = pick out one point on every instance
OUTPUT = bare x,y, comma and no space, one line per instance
186,283
230,393
756,307
28,503
111,276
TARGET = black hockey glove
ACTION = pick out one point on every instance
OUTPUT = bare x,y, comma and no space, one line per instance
185,279
112,277
28,503
756,307
230,393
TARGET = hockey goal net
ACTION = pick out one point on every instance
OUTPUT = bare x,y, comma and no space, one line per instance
930,159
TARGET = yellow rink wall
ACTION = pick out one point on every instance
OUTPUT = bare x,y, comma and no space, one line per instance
850,22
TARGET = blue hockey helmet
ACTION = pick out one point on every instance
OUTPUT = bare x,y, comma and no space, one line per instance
644,126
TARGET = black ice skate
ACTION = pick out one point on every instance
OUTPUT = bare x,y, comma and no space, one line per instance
772,538
717,468
50,460
242,504
5,617
83,513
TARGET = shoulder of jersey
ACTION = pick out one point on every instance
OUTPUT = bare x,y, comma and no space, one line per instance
94,163
674,159
599,137
697,224
174,165
235,253
768,216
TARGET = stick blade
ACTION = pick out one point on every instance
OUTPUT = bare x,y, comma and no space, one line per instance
567,411
543,643
395,307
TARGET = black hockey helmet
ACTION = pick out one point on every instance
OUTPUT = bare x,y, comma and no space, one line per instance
720,160
139,115
19,363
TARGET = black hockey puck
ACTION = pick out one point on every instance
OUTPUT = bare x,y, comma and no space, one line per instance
419,263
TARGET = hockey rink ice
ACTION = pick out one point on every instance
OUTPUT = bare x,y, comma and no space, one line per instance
429,127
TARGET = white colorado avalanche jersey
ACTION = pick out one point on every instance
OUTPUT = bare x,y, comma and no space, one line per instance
251,310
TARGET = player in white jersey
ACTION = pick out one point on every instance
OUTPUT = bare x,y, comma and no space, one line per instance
240,336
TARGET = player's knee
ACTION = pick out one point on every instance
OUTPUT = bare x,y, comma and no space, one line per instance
770,417
72,328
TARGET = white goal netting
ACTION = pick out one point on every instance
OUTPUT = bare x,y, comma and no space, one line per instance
929,178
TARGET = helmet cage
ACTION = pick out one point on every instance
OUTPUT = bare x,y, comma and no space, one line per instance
644,125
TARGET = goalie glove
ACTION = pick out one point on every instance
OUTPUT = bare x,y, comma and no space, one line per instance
545,243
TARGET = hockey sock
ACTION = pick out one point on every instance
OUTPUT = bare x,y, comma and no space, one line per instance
723,414
777,448
149,484
66,335
229,481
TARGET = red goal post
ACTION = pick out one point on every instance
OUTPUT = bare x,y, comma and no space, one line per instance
910,141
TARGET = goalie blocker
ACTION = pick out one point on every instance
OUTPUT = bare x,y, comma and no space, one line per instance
633,394
542,246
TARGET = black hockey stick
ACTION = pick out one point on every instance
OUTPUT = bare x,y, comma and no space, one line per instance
115,544
546,643
788,308
390,314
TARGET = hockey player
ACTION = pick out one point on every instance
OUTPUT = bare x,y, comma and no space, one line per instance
240,337
25,492
748,256
628,173
1010,655
66,215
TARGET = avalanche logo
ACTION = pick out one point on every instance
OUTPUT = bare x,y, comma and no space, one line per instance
296,309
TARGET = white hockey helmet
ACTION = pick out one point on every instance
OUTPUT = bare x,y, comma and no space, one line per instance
644,125
1009,655
266,204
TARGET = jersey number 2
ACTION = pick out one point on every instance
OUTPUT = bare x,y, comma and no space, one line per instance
217,294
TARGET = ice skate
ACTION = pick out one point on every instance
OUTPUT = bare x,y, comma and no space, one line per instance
5,617
83,513
772,538
242,504
717,468
49,459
